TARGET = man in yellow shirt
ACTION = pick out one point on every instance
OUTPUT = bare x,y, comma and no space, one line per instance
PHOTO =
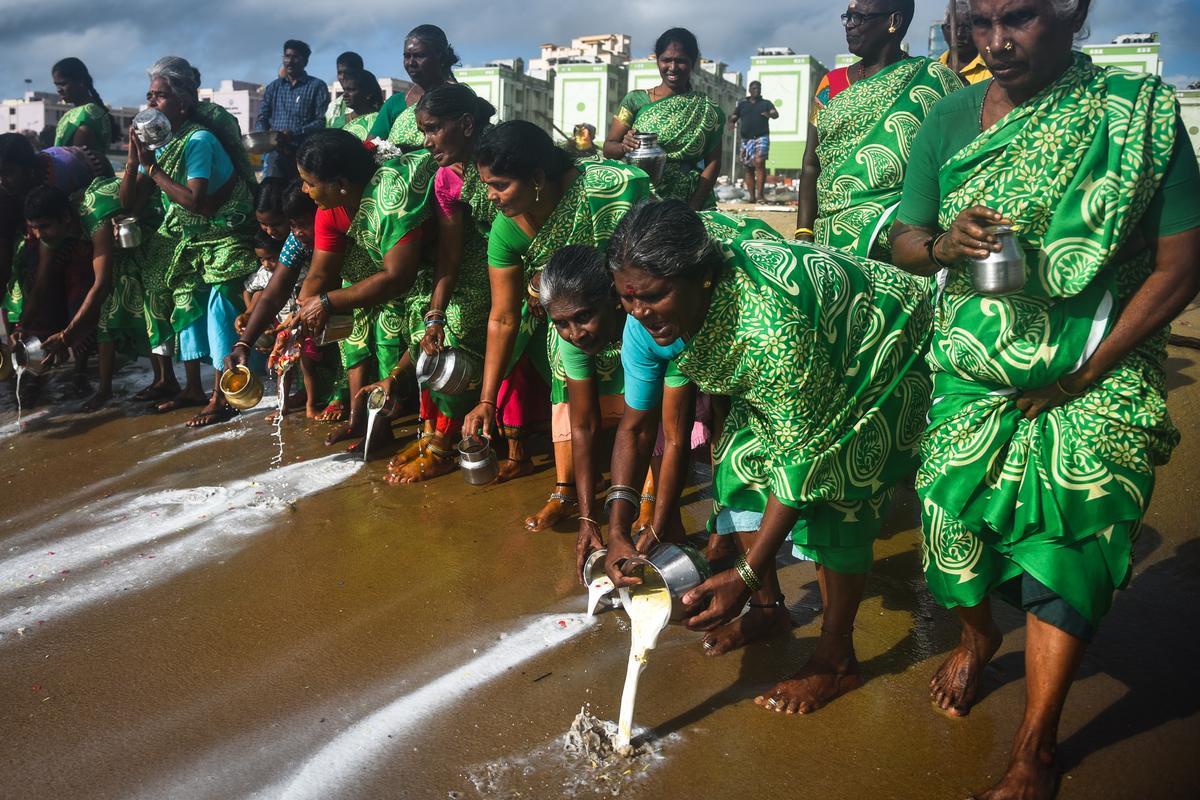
970,64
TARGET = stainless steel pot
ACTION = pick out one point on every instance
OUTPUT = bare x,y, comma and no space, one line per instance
477,460
129,232
152,128
648,156
29,354
681,568
260,142
1002,272
449,371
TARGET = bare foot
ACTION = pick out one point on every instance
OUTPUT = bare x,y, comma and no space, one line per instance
755,624
1030,776
555,509
96,401
412,450
334,412
511,469
181,400
312,410
351,430
157,391
293,403
212,414
956,683
816,685
429,464
381,437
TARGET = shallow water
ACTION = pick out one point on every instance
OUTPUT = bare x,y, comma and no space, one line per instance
180,619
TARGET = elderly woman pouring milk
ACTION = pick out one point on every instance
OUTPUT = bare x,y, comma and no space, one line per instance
819,353
1049,406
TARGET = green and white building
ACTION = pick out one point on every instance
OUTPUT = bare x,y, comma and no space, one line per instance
586,93
515,94
1136,52
789,81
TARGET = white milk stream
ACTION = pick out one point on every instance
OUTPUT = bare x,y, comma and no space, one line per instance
649,609
20,373
281,378
597,589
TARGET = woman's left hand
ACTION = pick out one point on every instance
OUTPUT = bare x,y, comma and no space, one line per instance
1035,401
56,346
727,594
313,314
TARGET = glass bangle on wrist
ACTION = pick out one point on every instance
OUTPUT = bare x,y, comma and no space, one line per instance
326,303
749,577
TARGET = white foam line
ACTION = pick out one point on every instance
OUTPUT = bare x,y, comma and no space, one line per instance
344,759
184,527
233,433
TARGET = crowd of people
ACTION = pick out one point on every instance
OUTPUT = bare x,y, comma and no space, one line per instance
638,323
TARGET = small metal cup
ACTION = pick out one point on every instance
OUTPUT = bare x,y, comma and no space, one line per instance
28,354
477,460
379,402
337,328
1002,272
129,232
593,570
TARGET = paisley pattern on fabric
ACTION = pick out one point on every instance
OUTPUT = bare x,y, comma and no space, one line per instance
1060,497
864,135
821,355
360,126
121,316
689,127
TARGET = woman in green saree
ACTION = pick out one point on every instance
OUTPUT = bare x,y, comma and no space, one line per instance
369,239
363,97
689,125
429,60
865,118
88,123
1049,408
204,181
820,355
546,202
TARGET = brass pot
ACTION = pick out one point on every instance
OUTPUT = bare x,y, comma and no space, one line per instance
242,388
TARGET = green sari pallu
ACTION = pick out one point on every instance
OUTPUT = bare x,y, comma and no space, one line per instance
122,318
92,116
394,203
863,136
405,131
209,251
588,214
689,127
820,354
1060,497
360,126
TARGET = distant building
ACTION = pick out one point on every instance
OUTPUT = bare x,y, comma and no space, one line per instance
605,48
1189,109
789,81
1136,52
37,110
586,93
390,86
242,99
844,60
515,95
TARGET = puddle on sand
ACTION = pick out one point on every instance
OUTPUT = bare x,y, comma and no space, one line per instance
582,763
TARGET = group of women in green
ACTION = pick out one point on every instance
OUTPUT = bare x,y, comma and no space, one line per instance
838,361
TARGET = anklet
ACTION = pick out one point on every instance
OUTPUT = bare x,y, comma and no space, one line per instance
777,604
846,635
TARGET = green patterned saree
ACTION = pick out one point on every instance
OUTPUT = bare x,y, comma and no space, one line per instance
820,353
91,115
395,202
863,139
689,127
405,131
1060,497
360,126
122,317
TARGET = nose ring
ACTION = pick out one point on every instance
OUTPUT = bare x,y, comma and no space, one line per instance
1008,46
988,49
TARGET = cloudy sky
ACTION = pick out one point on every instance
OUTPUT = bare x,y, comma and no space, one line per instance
242,38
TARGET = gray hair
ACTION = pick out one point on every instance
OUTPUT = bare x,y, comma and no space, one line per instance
180,76
1063,9
576,272
664,238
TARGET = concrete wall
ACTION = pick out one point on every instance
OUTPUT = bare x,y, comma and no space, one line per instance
789,82
587,93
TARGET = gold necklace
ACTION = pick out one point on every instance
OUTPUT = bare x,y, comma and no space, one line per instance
983,105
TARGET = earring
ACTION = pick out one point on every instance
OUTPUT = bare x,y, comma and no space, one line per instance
988,50
708,284
891,28
1008,46
343,191
537,192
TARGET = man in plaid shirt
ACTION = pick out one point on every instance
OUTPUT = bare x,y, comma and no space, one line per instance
294,106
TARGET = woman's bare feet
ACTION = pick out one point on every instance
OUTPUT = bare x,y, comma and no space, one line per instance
831,672
184,399
560,506
294,403
334,412
1031,775
511,469
351,430
157,391
381,439
96,401
211,414
756,624
956,683
430,463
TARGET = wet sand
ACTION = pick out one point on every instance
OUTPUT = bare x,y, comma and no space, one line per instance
178,619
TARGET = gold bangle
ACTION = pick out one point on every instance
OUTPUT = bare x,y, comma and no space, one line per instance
799,231
1067,391
747,574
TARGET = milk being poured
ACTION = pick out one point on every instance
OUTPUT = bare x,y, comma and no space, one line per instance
20,372
649,609
282,381
597,589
